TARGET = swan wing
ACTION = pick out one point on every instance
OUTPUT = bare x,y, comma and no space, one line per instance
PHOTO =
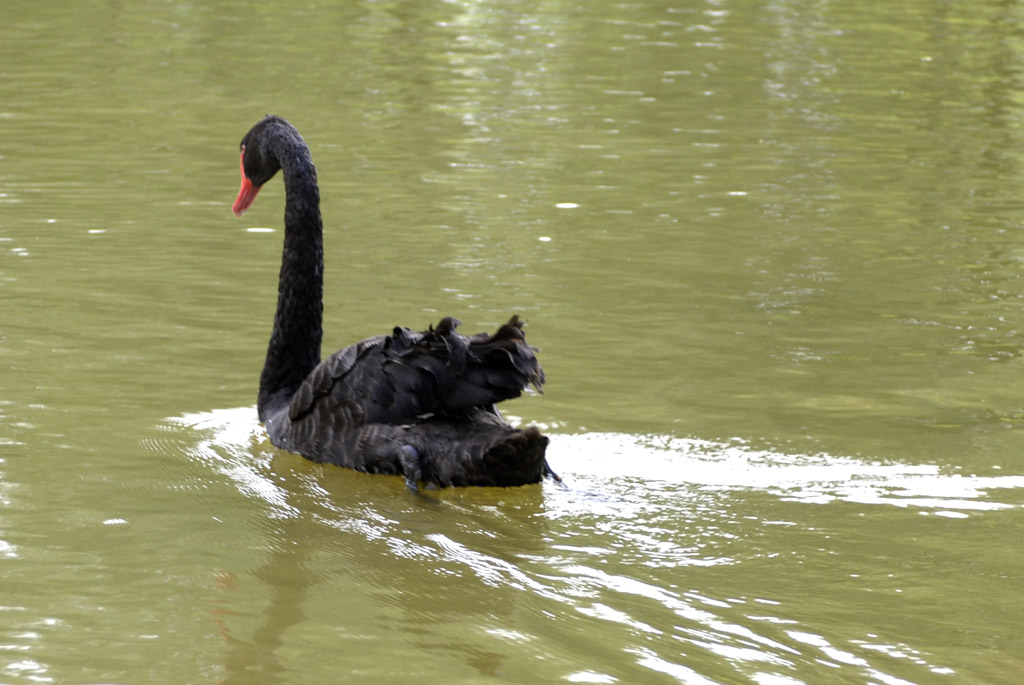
403,377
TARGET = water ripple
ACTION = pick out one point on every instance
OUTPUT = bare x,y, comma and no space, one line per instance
636,549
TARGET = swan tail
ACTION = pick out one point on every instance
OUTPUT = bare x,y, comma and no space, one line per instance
491,455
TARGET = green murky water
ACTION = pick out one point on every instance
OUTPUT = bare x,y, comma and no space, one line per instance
772,253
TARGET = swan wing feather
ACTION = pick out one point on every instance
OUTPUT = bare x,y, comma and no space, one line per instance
403,377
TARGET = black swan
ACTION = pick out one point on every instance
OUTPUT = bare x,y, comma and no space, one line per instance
420,405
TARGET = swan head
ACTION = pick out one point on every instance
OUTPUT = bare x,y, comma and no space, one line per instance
258,159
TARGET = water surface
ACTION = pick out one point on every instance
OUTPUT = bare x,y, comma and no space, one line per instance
771,253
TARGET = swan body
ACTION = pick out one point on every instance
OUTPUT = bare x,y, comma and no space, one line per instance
416,404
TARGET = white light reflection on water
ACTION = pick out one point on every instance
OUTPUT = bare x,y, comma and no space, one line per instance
817,478
587,460
590,462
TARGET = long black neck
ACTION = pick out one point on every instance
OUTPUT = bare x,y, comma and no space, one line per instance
294,348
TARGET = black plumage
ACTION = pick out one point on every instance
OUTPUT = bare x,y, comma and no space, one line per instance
417,404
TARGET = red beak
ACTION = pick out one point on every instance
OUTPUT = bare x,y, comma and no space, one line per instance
247,193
